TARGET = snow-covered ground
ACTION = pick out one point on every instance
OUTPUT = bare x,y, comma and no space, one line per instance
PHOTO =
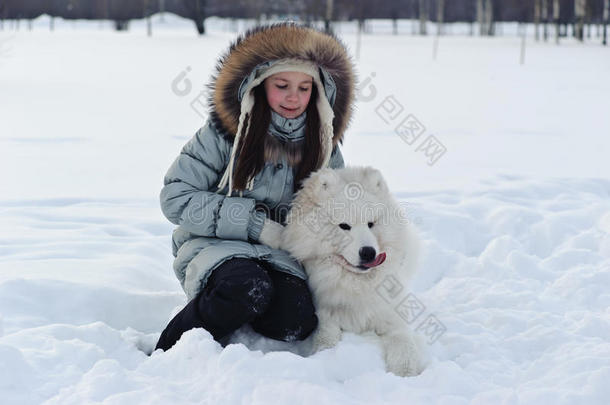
514,217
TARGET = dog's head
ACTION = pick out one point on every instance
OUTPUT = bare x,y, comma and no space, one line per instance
350,216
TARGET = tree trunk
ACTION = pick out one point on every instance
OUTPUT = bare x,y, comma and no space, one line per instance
200,26
545,19
522,53
480,17
579,17
605,17
199,17
473,19
588,19
359,38
162,10
537,19
414,19
147,12
440,16
121,25
485,17
556,19
328,16
489,17
423,16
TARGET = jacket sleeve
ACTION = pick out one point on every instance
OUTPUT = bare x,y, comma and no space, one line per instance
336,159
189,197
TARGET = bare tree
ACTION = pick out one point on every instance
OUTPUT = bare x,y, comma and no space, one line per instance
556,5
588,18
423,16
485,17
148,10
197,8
162,10
537,18
579,16
489,17
473,19
413,13
394,16
605,18
476,12
440,14
480,17
328,15
545,19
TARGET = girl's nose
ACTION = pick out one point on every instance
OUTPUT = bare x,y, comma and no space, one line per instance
292,95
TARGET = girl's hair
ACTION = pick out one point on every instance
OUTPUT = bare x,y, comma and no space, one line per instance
251,150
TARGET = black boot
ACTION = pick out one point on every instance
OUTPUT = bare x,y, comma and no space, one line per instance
291,314
235,293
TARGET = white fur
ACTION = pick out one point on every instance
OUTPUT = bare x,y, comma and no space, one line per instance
271,233
346,297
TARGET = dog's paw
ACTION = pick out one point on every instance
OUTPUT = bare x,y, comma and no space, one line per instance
401,355
325,339
271,234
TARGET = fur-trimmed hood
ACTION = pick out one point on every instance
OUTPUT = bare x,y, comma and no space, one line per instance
274,42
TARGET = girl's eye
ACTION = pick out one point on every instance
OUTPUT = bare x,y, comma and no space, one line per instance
371,224
281,87
345,226
302,89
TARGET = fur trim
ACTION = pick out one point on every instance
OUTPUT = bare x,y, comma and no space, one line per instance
280,41
247,103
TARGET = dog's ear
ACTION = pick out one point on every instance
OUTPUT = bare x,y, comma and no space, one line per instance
373,180
318,187
325,180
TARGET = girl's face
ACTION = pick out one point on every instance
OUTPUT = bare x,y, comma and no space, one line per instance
288,93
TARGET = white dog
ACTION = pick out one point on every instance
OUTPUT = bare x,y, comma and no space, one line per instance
351,234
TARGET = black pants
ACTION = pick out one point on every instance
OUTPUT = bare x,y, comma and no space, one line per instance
277,305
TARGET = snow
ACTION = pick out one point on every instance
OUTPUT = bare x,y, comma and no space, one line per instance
514,218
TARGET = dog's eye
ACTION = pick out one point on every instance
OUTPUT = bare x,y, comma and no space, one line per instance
371,224
345,226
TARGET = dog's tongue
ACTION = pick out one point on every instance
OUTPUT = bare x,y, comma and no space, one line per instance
378,260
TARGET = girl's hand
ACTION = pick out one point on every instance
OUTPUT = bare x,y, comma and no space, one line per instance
271,234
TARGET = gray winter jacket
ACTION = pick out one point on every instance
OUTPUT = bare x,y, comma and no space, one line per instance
212,227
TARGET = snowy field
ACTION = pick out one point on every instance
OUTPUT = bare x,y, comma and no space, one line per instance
514,218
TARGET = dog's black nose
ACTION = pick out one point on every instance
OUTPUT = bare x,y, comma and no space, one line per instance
367,254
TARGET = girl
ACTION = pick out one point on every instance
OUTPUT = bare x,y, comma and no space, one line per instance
281,100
